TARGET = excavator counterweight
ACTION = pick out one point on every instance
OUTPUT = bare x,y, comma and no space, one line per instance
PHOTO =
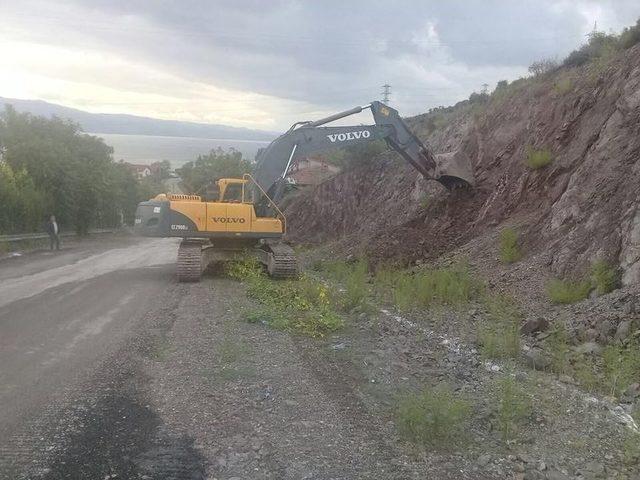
217,230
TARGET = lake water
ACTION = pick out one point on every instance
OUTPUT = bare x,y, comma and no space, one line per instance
146,149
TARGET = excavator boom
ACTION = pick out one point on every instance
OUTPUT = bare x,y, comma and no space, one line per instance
305,138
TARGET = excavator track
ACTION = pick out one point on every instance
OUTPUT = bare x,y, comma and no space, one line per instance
189,261
282,262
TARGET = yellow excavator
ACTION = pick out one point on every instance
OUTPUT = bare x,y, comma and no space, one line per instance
245,216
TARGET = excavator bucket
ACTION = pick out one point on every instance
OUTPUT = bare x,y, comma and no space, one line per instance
454,170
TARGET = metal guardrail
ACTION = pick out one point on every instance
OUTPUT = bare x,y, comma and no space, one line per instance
38,236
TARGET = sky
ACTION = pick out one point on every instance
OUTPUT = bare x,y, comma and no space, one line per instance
268,63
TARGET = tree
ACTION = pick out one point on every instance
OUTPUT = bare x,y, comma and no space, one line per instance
540,67
198,174
49,166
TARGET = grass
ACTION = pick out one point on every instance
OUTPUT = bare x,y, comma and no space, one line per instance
586,373
356,285
451,286
621,367
604,277
567,291
303,306
499,334
513,406
537,159
436,417
557,346
354,277
509,249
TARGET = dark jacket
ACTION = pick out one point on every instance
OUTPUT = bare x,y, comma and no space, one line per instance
49,228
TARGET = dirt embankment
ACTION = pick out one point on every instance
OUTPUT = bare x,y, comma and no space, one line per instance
582,206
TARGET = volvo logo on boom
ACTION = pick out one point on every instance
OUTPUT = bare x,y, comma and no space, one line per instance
342,137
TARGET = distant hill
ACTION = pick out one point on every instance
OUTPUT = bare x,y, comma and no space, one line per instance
134,125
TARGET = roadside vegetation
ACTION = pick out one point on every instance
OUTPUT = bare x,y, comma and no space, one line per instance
604,278
567,291
509,248
435,417
499,333
404,289
512,404
304,305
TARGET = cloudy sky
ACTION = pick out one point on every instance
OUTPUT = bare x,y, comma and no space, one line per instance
267,63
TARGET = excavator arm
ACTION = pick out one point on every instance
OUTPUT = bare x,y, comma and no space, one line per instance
305,138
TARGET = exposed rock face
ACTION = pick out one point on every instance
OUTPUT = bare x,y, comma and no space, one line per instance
583,206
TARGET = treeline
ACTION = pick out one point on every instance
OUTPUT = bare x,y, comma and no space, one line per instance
50,167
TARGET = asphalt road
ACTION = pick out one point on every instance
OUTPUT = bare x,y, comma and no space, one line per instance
61,314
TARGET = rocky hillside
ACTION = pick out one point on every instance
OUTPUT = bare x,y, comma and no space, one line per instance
582,206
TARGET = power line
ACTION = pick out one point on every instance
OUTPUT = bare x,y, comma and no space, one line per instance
386,92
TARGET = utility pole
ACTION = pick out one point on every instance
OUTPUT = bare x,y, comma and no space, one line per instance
386,92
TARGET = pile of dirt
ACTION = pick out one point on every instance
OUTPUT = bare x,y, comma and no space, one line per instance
583,206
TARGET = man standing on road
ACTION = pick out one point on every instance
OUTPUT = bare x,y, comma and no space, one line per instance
54,232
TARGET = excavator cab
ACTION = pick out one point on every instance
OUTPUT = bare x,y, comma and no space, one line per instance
231,190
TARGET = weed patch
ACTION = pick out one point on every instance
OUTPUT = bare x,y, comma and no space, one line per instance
452,286
604,277
356,285
499,335
435,417
537,159
557,346
509,249
567,291
303,306
513,406
621,367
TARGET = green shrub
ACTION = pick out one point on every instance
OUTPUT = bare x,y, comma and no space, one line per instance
604,277
385,281
513,406
499,334
304,305
354,276
537,159
557,346
567,291
451,286
600,44
586,373
243,267
621,367
509,250
356,285
435,417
